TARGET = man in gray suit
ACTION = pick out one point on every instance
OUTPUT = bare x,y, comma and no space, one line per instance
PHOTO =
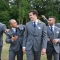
56,24
53,38
2,30
15,38
35,37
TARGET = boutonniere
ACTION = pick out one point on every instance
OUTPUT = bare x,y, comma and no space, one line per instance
39,21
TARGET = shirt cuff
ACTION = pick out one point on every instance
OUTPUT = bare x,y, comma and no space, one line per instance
24,47
58,40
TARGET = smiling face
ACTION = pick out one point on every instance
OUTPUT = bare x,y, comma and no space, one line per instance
33,15
13,23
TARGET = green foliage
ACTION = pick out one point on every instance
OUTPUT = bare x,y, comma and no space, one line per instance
18,9
3,5
13,12
4,16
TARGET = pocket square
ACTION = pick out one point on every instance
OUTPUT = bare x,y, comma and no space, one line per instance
57,32
39,27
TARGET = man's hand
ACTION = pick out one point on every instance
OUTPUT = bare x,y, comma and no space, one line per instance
48,39
55,41
7,30
24,50
43,16
14,38
43,51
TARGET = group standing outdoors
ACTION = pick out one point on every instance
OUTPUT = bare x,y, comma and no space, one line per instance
34,38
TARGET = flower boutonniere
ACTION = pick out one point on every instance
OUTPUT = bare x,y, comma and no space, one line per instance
39,21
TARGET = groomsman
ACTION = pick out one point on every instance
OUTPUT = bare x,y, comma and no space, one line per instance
15,39
56,24
2,30
35,37
53,39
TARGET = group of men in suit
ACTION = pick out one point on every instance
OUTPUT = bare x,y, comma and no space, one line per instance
29,39
33,39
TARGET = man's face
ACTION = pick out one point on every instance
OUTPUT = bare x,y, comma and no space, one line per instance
32,16
13,24
51,21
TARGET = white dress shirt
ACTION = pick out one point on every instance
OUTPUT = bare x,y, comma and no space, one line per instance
14,29
36,22
52,27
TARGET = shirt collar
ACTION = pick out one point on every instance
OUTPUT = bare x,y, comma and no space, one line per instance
36,21
52,27
14,29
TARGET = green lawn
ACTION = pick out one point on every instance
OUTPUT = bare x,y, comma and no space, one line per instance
5,51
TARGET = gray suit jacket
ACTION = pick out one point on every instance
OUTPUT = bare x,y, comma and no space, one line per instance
2,30
35,37
55,35
56,24
15,45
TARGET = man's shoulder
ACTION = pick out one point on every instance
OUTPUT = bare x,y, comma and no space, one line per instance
21,25
29,22
42,23
57,28
1,24
9,32
57,24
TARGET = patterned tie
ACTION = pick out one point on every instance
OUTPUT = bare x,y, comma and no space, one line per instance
34,24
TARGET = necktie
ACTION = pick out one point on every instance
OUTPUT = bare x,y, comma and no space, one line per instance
34,24
51,28
16,32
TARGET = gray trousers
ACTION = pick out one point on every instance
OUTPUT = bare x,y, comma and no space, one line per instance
0,52
19,55
54,53
59,56
33,55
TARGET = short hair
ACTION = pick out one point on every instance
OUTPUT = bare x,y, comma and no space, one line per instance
52,17
34,12
11,20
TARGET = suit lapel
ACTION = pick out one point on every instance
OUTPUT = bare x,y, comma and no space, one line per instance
31,27
55,32
49,29
38,28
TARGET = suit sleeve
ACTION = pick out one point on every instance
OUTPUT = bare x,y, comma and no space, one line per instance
25,37
8,39
46,20
44,37
4,28
59,36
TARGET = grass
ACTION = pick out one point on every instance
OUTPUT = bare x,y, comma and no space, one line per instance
5,51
